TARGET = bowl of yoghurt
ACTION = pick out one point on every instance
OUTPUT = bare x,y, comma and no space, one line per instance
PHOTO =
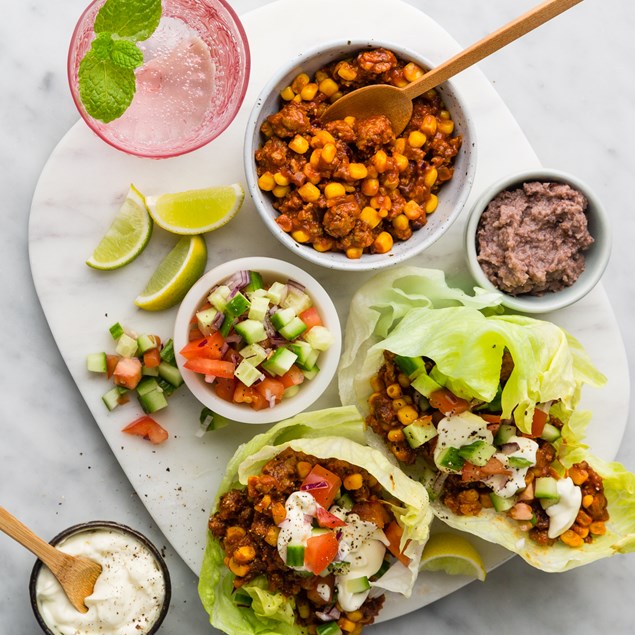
131,596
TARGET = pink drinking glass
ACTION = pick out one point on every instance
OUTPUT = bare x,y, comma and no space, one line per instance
172,114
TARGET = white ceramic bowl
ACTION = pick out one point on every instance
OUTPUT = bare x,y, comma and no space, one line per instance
596,257
452,197
271,269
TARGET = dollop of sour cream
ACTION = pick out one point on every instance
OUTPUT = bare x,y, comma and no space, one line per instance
563,513
128,595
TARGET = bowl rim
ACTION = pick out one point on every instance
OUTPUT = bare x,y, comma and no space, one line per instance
590,276
337,260
329,359
92,526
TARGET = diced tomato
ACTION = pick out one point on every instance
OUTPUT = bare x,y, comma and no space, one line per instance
538,422
249,395
270,389
447,402
292,377
326,519
111,364
324,495
216,367
394,532
320,551
152,358
311,318
147,428
225,388
127,372
209,347
491,418
194,333
470,472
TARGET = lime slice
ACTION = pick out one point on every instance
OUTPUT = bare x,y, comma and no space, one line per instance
196,211
174,276
452,554
127,237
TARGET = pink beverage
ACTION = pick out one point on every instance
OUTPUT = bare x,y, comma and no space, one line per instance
190,86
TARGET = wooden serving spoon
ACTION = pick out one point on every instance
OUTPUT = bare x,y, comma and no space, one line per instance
396,103
77,575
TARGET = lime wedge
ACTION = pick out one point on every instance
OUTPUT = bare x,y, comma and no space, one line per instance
174,276
196,211
452,554
126,237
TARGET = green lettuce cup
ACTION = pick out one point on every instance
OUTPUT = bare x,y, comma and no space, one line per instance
310,526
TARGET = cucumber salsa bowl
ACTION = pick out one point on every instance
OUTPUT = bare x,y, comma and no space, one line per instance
257,340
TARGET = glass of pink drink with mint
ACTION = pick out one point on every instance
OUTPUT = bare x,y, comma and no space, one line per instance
187,89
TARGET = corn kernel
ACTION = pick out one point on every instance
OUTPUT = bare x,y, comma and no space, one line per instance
353,481
578,475
571,539
597,528
300,236
235,533
287,93
266,182
430,177
346,72
303,468
379,160
334,98
412,210
243,554
444,114
321,138
398,403
587,500
416,139
376,383
333,190
322,244
314,160
271,537
328,153
299,144
350,120
432,203
357,171
583,532
300,82
280,191
309,91
320,75
407,415
370,187
412,71
355,616
401,161
311,173
400,222
238,569
280,179
446,126
403,380
400,145
370,216
328,86
309,192
354,253
297,99
381,202
304,610
263,504
431,94
278,512
391,181
383,243
346,624
396,435
429,125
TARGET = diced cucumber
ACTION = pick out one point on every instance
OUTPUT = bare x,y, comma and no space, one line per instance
291,391
328,628
170,373
205,319
385,565
226,326
451,459
251,331
240,597
310,373
424,384
320,338
282,317
96,363
209,420
345,501
153,401
258,309
116,330
165,386
238,305
304,351
518,462
280,362
167,352
150,371
550,433
126,346
546,487
339,567
295,555
146,385
112,397
146,343
419,432
409,365
296,300
477,453
218,297
277,292
254,354
255,282
247,373
357,585
500,503
505,432
294,329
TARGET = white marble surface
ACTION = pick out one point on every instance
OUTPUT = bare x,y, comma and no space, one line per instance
55,466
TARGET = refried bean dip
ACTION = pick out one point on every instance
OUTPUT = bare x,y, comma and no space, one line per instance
530,240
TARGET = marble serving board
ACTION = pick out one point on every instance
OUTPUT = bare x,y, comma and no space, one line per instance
85,181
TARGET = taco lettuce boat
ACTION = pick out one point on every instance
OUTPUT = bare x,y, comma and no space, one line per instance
483,408
309,528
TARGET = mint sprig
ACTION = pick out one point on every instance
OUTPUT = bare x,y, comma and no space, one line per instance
107,82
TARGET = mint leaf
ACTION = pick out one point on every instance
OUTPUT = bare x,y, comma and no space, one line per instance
126,54
106,89
136,19
102,45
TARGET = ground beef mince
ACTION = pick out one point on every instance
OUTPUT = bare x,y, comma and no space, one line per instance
531,240
350,185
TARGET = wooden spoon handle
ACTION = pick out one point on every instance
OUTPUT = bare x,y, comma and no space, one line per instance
489,44
11,526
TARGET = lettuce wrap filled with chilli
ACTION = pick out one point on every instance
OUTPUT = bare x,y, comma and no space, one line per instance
310,528
482,407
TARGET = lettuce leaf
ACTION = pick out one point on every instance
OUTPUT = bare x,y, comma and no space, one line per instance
332,433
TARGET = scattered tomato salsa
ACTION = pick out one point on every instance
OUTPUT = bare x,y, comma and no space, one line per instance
475,459
351,185
256,342
320,531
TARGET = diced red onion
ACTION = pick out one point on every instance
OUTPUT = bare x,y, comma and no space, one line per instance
316,485
218,320
509,448
238,280
233,338
269,329
210,378
438,483
331,614
296,285
223,349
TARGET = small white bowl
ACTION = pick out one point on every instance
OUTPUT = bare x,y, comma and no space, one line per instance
596,257
452,197
271,269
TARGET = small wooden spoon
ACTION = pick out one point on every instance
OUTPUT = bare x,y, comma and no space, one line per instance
396,103
77,575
